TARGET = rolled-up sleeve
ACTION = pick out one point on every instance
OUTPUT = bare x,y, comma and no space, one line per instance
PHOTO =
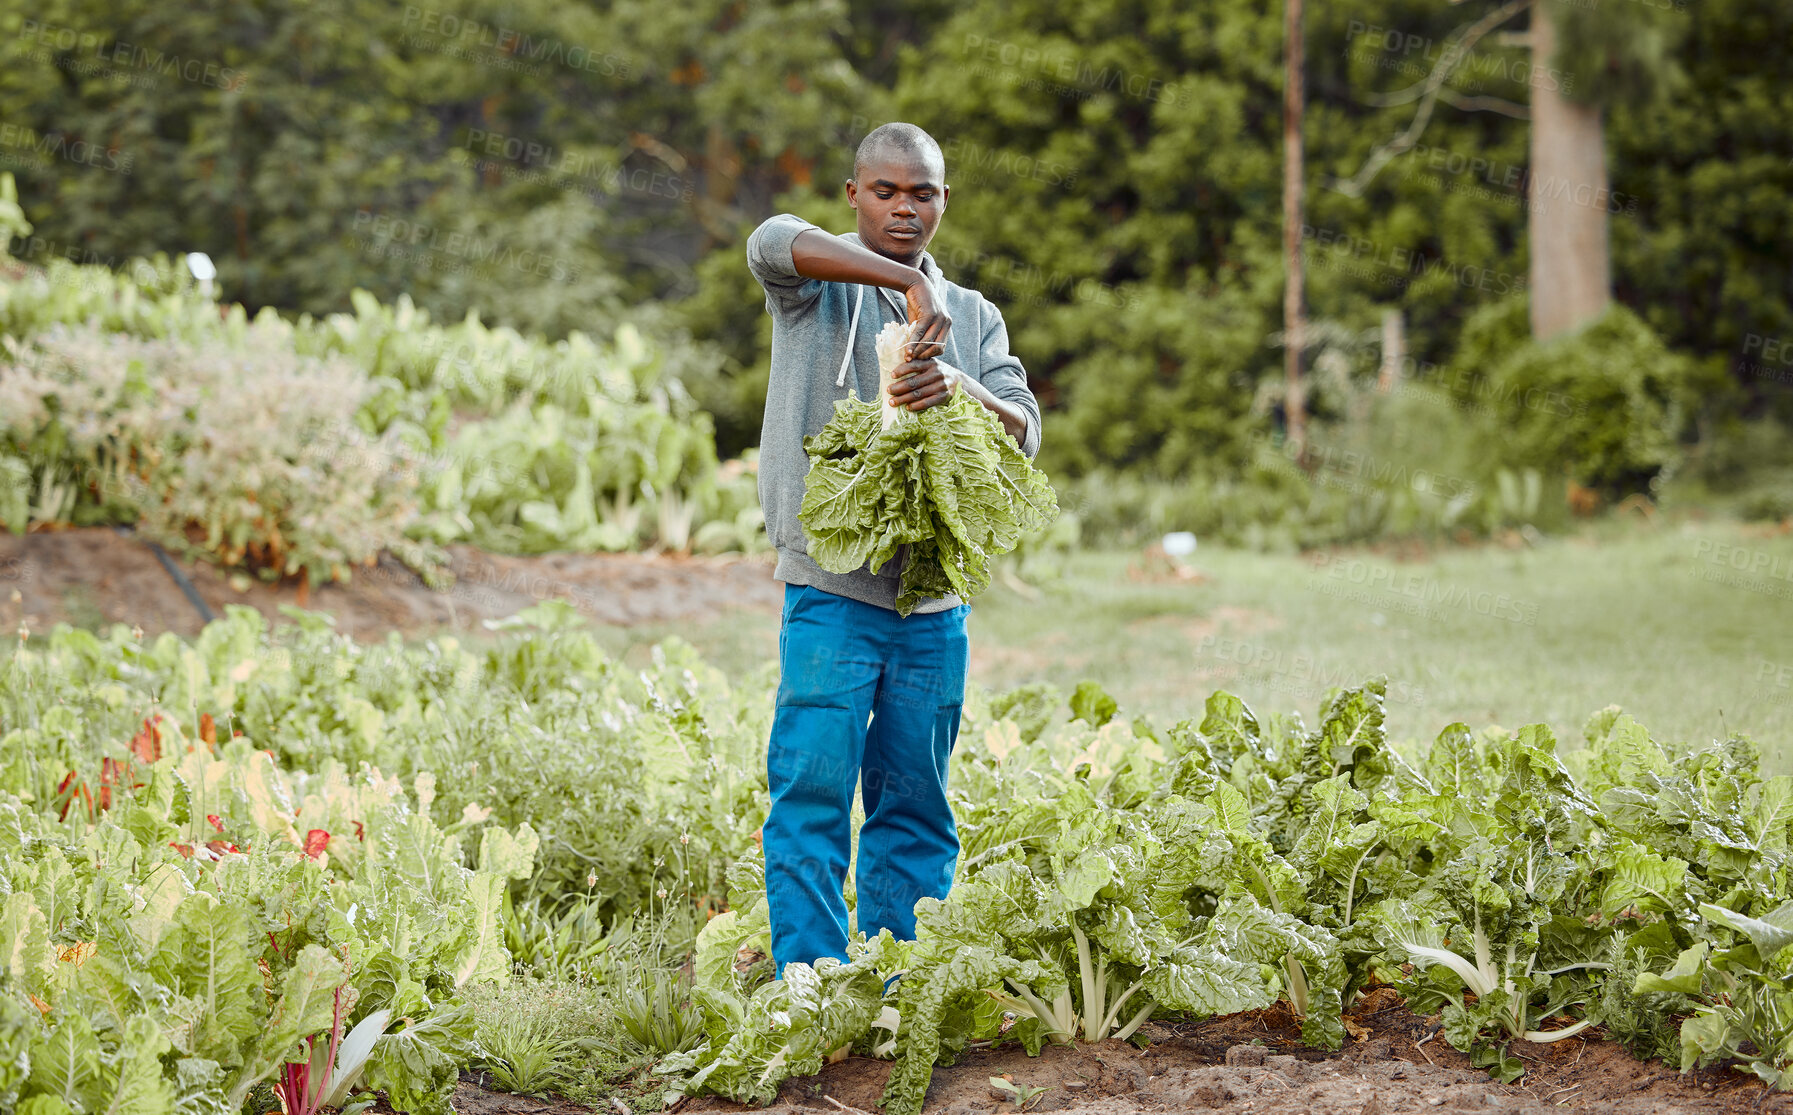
769,258
1005,378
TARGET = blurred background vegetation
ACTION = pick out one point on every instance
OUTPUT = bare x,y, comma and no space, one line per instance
1116,175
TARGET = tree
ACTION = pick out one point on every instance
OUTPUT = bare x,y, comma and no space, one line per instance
1584,59
1571,281
1294,331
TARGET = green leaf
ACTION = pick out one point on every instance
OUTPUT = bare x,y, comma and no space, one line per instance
305,1006
25,952
1092,703
208,954
482,954
1204,981
1770,933
789,1026
947,487
417,1065
512,857
66,1064
1685,978
1640,880
1352,736
134,1075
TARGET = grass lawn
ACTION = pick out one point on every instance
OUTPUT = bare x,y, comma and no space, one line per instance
1685,626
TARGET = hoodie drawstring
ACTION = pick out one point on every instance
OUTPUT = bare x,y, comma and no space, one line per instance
852,334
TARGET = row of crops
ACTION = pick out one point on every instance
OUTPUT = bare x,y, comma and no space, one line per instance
273,865
305,448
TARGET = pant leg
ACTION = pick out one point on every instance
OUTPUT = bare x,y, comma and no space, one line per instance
909,844
829,676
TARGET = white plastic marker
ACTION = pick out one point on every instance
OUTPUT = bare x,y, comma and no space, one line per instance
202,269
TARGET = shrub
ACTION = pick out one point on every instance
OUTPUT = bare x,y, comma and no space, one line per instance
1604,405
210,445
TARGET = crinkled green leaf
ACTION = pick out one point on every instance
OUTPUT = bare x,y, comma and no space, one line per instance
788,1028
945,488
418,1063
207,956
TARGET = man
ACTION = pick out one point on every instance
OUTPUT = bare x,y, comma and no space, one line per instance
845,654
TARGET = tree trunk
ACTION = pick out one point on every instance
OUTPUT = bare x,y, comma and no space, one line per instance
1294,323
1394,349
1571,279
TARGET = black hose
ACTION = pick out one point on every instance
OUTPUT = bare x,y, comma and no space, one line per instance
174,571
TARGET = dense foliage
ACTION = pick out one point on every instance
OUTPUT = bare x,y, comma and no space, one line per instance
1115,171
1113,871
210,862
183,921
308,446
249,789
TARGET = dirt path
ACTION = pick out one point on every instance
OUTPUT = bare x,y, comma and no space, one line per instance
1254,1063
97,576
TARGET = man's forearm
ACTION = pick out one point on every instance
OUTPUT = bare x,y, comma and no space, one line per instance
1014,419
818,255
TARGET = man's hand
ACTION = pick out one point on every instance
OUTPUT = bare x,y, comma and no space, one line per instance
920,384
928,323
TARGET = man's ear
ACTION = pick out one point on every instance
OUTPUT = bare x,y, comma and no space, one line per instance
852,193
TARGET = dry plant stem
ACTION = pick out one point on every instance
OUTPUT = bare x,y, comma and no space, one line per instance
848,1108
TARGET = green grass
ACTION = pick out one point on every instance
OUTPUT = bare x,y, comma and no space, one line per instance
1485,635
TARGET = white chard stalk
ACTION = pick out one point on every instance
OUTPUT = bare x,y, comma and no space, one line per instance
890,354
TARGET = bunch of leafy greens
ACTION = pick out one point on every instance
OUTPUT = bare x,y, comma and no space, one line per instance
945,488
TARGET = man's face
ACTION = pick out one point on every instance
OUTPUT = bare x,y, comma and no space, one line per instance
900,196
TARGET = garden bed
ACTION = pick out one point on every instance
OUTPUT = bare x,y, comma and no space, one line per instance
97,576
1253,1062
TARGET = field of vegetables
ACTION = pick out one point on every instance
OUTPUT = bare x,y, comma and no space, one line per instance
274,868
303,449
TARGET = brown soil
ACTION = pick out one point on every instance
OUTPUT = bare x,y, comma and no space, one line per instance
94,577
1256,1063
1250,1064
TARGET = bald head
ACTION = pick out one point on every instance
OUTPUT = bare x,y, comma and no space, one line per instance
902,140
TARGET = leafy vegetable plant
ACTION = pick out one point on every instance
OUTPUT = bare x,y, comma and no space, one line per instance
944,489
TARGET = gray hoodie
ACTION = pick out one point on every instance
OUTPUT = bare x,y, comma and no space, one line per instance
812,367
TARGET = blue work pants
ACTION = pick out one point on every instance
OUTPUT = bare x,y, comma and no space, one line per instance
866,697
